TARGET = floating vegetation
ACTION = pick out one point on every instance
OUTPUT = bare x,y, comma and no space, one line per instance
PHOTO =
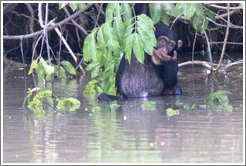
217,101
149,105
171,112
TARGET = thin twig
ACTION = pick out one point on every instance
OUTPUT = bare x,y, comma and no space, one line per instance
225,40
74,22
48,51
209,52
68,48
193,48
222,25
239,7
27,36
99,12
176,20
233,43
234,63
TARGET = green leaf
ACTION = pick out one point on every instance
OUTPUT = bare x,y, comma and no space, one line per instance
128,47
187,106
116,12
218,98
73,6
155,11
190,10
95,71
68,67
33,66
204,26
128,32
92,65
90,48
48,69
143,18
198,23
81,6
210,14
40,71
203,106
138,48
70,104
60,6
149,105
110,36
110,11
90,87
175,12
127,10
170,112
119,29
101,43
164,18
114,105
146,33
94,109
229,108
60,72
168,6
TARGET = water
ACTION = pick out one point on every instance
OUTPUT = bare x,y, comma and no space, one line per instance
128,134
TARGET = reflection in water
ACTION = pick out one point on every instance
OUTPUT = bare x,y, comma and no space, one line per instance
128,134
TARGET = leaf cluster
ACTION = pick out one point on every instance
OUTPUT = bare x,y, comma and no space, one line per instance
121,34
43,101
44,70
193,12
149,105
218,101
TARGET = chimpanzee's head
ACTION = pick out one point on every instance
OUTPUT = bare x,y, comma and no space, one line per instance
167,40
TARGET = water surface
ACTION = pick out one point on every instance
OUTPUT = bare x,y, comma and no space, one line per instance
128,134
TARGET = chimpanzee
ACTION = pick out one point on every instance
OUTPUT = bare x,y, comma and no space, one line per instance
157,75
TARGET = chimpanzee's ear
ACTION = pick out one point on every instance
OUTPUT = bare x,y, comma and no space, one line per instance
180,43
154,29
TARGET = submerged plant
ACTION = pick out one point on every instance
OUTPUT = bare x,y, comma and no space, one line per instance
69,104
46,100
149,105
219,101
171,112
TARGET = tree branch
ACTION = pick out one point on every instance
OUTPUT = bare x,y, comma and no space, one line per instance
225,40
27,36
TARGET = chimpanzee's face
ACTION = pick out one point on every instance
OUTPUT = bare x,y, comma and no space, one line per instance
165,44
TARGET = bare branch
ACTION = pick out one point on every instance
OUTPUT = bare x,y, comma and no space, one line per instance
27,36
203,63
224,7
225,40
74,22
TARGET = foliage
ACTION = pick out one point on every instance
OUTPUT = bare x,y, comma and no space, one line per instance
193,12
74,6
43,99
149,105
114,105
44,70
125,32
70,104
218,101
171,112
121,34
40,101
